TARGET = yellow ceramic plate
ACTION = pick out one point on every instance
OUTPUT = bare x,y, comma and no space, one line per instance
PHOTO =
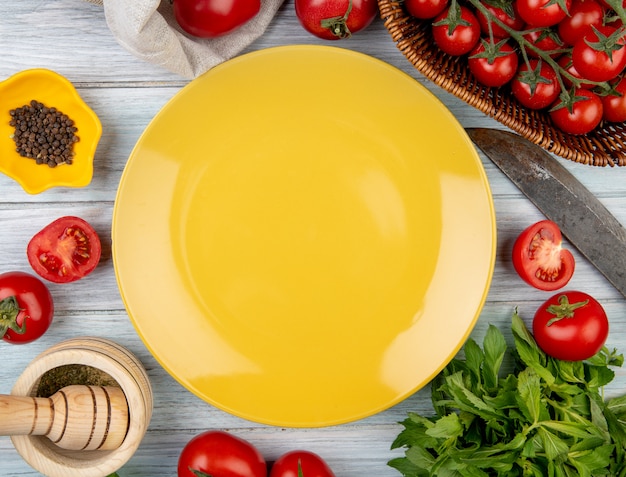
53,90
304,236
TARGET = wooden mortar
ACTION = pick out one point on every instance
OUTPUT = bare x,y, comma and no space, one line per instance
53,461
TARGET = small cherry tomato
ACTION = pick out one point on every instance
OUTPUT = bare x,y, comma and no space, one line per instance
214,18
543,13
456,31
536,85
65,250
220,454
582,116
582,16
567,64
600,55
425,9
300,463
335,19
540,260
510,18
614,105
493,67
26,307
571,326
546,40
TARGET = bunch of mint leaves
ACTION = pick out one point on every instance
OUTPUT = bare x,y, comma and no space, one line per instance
545,418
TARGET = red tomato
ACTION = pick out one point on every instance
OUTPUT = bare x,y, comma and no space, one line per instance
309,464
539,259
598,65
213,18
584,116
493,71
542,13
220,454
545,40
535,85
425,9
582,15
567,64
571,326
456,31
64,250
512,20
335,19
613,105
26,307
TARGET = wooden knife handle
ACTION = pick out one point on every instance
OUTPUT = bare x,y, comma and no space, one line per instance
77,417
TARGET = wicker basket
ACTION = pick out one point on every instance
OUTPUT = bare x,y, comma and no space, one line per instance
604,146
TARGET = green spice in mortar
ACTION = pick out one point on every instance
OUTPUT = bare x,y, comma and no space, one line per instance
69,374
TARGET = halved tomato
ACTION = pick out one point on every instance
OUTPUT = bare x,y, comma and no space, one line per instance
539,259
65,250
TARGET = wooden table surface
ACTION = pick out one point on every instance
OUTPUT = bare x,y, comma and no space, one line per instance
72,38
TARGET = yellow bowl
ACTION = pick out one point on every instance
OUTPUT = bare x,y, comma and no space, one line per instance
53,90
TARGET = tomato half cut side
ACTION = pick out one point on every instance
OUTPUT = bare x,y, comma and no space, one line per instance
65,250
539,258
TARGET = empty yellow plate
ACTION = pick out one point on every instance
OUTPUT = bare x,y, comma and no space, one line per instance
304,236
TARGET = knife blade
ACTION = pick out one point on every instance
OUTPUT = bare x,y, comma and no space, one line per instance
556,192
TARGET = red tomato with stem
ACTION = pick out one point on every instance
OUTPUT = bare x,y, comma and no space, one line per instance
300,463
493,65
614,105
535,85
567,64
456,31
600,55
510,19
546,40
571,326
425,9
214,18
220,454
543,13
581,115
65,250
26,307
335,19
582,16
539,258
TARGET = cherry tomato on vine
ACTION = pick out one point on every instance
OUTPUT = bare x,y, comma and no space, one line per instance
493,68
456,31
298,462
535,85
582,16
571,326
335,19
614,105
220,454
214,18
545,39
567,64
425,9
539,258
582,116
511,19
64,250
600,55
543,13
26,307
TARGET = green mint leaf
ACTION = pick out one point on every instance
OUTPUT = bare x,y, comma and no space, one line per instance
407,468
554,448
474,360
420,458
448,427
494,350
529,388
467,400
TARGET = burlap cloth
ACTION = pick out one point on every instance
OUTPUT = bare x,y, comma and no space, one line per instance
148,30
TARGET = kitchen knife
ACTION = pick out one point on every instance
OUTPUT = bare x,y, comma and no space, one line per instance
583,220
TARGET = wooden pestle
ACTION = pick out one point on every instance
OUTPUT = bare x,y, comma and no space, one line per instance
77,417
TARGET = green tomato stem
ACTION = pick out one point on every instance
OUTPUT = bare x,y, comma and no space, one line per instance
9,311
564,309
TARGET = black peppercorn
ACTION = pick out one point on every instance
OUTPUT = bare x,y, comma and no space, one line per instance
43,133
